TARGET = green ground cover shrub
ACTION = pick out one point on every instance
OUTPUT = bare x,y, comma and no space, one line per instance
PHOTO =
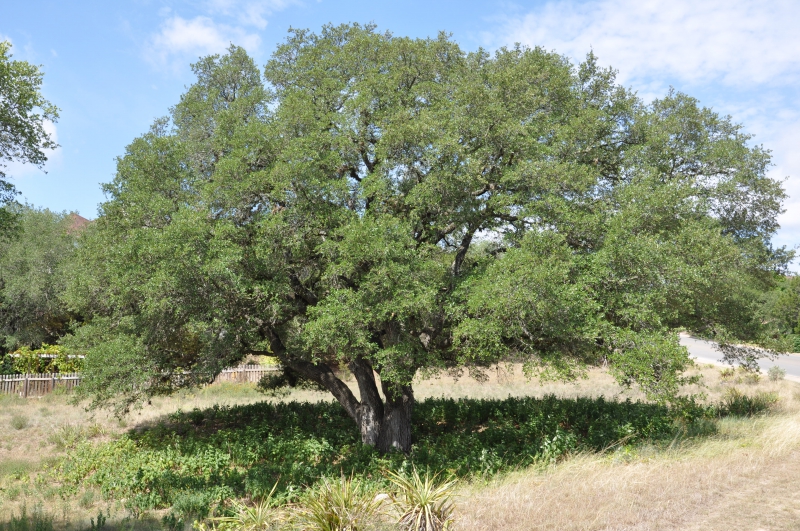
15,468
36,521
19,422
776,373
738,404
200,458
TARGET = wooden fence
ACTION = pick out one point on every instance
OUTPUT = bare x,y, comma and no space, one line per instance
244,373
32,385
26,385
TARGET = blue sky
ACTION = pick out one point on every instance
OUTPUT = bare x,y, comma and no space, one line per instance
113,67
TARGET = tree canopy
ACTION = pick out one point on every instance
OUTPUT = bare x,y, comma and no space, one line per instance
34,271
23,113
393,205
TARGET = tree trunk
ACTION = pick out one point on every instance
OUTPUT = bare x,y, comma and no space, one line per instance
385,425
395,433
370,411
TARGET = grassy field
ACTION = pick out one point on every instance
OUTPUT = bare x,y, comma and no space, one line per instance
636,473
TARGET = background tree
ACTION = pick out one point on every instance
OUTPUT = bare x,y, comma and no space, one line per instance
23,113
33,276
395,205
781,310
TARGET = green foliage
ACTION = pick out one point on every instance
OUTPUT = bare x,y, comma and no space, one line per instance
279,383
23,114
736,403
346,504
47,359
262,516
15,469
19,422
34,271
423,503
36,521
228,452
97,525
71,435
396,205
781,306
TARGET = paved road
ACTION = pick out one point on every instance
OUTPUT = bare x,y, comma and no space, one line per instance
704,352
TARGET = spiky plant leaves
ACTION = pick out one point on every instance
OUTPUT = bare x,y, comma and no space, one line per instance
262,516
423,503
343,505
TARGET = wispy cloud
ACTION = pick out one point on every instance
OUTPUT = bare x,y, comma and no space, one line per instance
179,39
736,42
248,13
218,23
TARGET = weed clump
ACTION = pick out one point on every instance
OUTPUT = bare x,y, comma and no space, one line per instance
36,521
776,373
738,404
19,422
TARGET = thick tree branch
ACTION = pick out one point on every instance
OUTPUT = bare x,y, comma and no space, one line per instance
318,372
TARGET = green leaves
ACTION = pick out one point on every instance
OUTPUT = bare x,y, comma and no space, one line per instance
23,113
35,269
530,303
415,207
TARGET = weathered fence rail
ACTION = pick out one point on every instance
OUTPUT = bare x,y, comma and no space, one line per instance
26,385
244,373
31,385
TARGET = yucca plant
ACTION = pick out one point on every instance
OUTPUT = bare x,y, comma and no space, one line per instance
262,516
343,505
423,503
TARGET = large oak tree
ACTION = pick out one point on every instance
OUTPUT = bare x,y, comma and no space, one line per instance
392,205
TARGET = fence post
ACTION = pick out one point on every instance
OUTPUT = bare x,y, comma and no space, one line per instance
25,387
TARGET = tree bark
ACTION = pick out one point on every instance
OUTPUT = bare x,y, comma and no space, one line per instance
370,411
395,431
385,425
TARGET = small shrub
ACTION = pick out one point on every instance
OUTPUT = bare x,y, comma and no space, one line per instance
736,403
727,374
87,499
344,505
751,378
19,422
424,504
775,373
67,436
193,504
37,521
97,525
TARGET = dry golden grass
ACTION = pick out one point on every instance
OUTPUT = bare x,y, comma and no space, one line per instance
745,477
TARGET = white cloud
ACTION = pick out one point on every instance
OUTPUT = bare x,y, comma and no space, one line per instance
17,170
736,42
180,39
248,13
